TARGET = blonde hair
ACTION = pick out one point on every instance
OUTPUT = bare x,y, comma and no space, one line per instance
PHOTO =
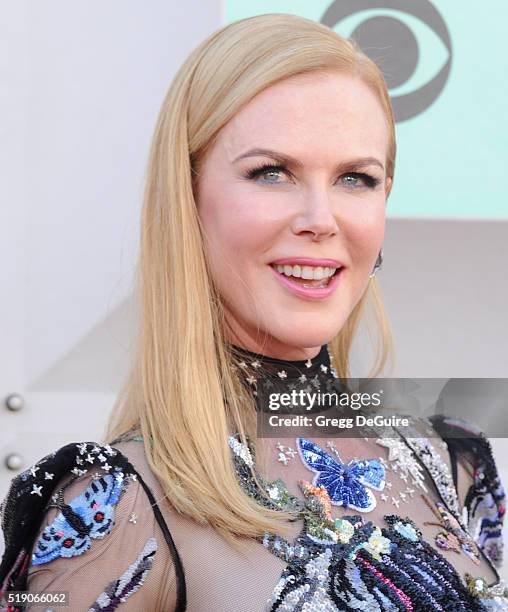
183,393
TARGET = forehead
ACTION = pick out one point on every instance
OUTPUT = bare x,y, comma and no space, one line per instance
317,114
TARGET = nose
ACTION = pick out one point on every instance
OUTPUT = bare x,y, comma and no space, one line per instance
316,216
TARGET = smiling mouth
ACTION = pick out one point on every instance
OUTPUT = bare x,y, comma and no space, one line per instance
308,276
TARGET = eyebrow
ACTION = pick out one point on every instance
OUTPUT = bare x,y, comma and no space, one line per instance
358,162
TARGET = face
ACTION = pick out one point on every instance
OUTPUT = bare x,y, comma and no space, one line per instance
305,198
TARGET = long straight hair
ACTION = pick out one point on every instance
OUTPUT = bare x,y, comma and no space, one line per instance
183,393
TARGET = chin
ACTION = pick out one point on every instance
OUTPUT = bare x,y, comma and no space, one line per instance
300,336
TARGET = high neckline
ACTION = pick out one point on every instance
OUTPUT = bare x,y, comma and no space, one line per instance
266,375
293,367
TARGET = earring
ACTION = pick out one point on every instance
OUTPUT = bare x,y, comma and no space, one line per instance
377,265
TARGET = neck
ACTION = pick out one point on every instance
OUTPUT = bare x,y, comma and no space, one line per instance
269,376
276,350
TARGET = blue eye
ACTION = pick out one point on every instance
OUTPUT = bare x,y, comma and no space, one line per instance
361,179
265,170
368,180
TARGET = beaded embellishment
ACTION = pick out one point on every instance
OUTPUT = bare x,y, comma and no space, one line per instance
285,453
495,597
265,375
88,516
438,470
129,582
349,564
487,510
346,484
486,499
403,461
452,536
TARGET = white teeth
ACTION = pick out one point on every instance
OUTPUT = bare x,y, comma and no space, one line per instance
306,272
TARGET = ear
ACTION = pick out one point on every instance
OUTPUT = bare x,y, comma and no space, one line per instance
388,186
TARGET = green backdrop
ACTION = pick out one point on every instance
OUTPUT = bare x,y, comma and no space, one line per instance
452,138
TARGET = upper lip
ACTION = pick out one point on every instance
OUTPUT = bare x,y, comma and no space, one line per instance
308,261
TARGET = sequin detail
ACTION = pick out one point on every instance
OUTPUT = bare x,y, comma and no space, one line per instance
438,470
487,512
486,499
349,564
403,461
451,536
493,597
375,569
241,450
129,582
87,516
346,483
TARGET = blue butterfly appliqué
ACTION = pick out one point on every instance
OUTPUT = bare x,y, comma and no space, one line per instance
346,483
88,515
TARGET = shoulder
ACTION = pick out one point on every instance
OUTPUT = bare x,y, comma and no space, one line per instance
82,512
467,443
484,495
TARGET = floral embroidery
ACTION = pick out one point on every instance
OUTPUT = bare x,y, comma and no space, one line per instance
406,530
344,529
453,537
494,597
88,516
349,564
377,569
322,503
377,544
129,582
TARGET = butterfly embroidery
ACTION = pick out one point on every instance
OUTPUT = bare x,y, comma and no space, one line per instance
89,515
346,483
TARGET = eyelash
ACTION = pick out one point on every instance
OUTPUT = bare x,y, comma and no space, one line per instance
370,181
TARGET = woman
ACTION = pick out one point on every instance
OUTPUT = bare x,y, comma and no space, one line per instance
262,230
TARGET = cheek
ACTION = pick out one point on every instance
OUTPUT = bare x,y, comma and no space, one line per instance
236,235
364,233
237,225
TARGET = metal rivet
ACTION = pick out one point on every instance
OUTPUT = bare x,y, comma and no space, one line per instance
13,461
14,402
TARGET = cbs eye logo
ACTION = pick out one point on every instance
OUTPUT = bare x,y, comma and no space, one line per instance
410,44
